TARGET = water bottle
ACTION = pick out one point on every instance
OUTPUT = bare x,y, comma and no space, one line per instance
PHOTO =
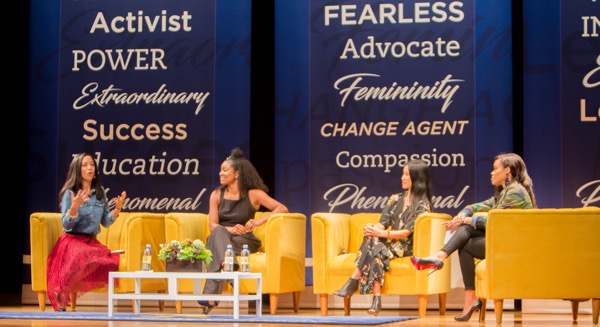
229,259
147,258
245,259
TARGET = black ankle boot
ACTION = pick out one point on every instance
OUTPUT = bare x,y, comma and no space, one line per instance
348,289
207,306
375,306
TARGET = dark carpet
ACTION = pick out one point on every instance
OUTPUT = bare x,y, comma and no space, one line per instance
279,319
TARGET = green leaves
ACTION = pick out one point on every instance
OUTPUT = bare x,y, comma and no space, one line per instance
185,250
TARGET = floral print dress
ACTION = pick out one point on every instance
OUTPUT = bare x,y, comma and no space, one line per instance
374,255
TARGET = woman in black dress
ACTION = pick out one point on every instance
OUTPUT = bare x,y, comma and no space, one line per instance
231,211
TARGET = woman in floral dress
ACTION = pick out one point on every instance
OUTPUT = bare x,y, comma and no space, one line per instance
392,236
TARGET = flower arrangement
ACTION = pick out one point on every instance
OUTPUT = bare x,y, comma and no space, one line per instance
185,250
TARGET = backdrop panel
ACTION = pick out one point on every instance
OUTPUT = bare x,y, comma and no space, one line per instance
206,50
580,103
309,62
390,82
561,115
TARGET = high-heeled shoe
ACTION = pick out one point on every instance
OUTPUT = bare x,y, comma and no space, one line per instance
476,306
348,289
375,306
207,306
427,263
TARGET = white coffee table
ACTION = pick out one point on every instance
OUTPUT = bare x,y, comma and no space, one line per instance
173,292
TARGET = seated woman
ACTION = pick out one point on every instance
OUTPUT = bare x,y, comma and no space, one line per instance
392,236
78,263
514,189
231,209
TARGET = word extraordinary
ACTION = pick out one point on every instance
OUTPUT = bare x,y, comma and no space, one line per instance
92,96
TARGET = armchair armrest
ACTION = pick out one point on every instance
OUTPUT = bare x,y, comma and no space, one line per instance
430,233
330,237
44,230
428,239
131,232
284,245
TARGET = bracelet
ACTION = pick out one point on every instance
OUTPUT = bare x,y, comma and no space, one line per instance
69,214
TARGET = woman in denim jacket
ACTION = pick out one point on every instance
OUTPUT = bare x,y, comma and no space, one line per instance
78,263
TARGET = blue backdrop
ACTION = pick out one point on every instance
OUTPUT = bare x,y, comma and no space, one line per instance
560,140
561,117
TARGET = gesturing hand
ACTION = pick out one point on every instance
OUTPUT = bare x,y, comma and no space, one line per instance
80,198
119,200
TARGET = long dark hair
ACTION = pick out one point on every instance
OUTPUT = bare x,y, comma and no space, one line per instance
517,167
73,180
248,177
421,183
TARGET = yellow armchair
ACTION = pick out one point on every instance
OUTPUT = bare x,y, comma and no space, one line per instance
281,258
541,254
336,238
130,232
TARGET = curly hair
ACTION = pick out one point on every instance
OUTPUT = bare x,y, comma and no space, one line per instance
248,177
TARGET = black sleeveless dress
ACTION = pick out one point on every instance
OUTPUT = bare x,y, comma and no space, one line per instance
231,213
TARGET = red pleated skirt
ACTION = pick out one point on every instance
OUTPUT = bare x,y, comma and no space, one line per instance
77,264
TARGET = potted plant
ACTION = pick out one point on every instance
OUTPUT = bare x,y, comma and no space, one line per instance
186,255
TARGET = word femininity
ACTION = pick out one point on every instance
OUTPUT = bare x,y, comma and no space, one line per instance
356,91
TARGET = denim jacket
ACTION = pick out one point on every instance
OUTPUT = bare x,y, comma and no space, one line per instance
90,215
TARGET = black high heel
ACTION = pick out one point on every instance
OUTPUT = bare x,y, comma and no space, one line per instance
348,289
375,306
207,306
476,306
424,263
